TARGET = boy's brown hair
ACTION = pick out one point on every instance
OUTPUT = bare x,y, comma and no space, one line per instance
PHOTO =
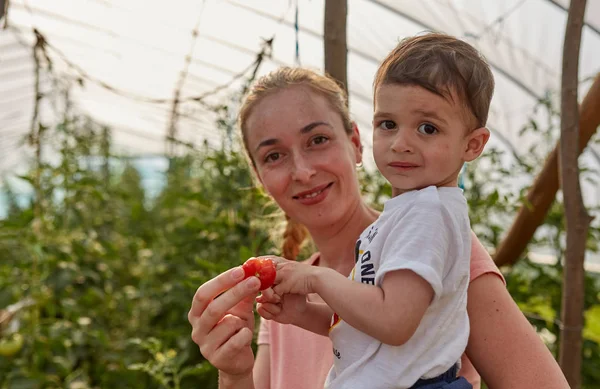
442,64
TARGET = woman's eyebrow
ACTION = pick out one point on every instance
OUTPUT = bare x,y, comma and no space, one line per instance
304,130
267,142
309,127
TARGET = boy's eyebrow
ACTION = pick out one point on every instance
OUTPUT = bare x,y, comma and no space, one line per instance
304,130
422,112
431,114
379,114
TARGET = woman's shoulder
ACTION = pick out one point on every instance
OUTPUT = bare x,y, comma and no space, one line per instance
481,260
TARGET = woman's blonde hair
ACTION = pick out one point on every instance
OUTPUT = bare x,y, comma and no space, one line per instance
285,77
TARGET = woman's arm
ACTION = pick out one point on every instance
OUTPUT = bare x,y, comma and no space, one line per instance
262,367
228,381
503,346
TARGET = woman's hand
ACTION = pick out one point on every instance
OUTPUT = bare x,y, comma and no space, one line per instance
223,324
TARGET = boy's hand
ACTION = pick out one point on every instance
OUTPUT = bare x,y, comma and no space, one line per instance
286,309
293,277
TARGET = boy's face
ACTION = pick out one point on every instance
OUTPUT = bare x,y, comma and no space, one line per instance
420,138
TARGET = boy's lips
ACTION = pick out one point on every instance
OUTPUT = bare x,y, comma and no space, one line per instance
312,193
403,165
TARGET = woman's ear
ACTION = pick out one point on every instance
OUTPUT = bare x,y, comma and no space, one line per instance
475,143
356,143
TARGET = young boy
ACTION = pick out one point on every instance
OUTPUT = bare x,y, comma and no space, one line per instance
400,319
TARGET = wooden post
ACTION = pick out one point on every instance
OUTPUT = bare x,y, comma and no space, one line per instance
4,11
577,219
543,191
105,150
334,41
37,130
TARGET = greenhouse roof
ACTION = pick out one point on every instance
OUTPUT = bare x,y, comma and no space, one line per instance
130,60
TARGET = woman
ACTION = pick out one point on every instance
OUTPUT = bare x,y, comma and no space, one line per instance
304,150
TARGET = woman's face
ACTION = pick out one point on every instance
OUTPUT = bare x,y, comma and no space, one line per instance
303,156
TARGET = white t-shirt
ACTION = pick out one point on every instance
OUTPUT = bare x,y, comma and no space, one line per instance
428,232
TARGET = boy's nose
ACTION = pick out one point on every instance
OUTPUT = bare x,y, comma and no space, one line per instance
402,142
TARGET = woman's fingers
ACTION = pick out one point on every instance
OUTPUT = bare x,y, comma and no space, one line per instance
212,288
220,334
217,308
223,321
235,354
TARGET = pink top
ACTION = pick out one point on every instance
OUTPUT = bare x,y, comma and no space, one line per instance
301,359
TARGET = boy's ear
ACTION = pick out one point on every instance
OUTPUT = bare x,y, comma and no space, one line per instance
355,139
476,142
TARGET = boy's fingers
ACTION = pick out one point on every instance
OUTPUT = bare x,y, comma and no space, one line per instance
278,289
275,259
268,311
268,296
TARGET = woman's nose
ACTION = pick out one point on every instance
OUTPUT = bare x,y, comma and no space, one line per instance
302,169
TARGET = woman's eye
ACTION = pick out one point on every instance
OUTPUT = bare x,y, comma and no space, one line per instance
317,140
427,129
272,157
387,125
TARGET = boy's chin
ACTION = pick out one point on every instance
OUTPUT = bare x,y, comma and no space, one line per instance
398,191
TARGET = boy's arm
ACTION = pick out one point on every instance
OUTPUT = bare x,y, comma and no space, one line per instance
390,313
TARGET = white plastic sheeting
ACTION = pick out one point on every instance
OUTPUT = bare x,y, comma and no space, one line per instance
131,54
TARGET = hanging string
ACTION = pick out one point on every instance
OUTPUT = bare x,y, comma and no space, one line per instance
297,31
83,76
499,21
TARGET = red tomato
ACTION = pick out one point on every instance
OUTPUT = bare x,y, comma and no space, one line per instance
263,268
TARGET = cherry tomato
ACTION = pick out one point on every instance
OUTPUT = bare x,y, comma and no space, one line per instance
263,268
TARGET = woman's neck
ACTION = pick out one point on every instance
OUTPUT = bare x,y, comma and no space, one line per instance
336,243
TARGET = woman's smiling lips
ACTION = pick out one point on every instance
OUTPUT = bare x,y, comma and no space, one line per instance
314,195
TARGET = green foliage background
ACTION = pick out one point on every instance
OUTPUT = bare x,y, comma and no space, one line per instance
112,271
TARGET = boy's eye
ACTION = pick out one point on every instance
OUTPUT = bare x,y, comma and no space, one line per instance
427,129
387,125
272,157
